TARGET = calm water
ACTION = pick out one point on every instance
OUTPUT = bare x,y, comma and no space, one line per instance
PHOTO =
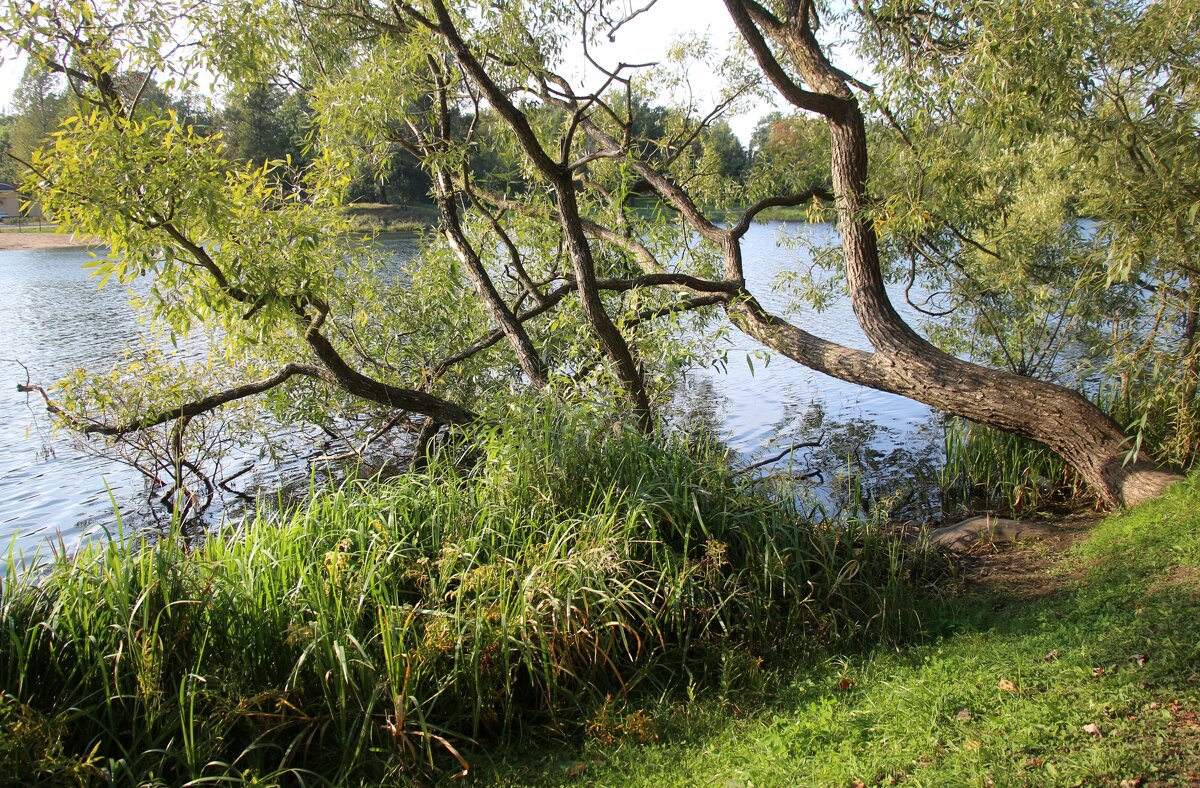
53,319
764,409
763,404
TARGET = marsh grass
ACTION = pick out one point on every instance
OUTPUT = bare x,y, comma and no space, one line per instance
380,629
989,470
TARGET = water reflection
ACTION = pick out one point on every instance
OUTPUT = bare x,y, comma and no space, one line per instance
58,488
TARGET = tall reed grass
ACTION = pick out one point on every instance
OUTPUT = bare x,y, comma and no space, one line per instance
990,470
380,629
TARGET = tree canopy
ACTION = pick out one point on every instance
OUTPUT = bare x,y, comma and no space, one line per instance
1034,165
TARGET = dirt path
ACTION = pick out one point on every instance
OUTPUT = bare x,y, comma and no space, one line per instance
1024,569
10,240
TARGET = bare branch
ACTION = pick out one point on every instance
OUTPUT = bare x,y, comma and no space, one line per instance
591,157
612,30
777,457
187,410
743,225
821,103
685,305
669,279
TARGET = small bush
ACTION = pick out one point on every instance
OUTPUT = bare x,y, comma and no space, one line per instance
32,750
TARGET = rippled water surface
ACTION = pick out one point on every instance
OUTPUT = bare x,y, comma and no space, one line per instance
53,319
761,403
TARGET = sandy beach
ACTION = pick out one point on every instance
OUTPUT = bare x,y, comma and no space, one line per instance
45,240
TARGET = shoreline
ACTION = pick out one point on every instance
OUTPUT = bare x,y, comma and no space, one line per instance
16,241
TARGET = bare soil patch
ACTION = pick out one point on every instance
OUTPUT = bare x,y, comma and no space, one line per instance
48,240
1028,569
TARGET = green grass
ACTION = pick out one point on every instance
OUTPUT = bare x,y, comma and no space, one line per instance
584,606
378,631
1116,645
376,217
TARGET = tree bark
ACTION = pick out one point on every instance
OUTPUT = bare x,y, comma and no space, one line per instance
360,385
614,344
558,176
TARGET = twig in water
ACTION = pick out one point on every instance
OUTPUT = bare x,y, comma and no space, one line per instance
780,455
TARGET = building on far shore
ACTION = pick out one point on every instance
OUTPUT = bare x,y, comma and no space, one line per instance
10,204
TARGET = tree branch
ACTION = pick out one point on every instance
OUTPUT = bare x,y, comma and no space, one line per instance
188,409
743,225
821,103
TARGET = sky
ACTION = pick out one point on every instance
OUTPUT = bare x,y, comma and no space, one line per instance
11,67
645,39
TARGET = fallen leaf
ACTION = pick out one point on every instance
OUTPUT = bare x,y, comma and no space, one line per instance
1139,612
1099,671
1092,729
858,784
1133,782
971,745
1053,655
1140,659
1031,763
964,714
576,769
1007,685
1154,705
845,684
1195,677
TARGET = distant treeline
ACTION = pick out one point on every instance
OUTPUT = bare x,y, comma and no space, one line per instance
274,123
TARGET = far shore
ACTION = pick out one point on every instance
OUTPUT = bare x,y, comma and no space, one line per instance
18,239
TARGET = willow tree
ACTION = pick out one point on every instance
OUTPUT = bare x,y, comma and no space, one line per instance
575,276
1091,116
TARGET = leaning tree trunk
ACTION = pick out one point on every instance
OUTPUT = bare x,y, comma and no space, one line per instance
1060,418
1081,433
518,338
905,363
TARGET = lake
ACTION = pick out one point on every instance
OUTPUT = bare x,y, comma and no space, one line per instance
53,319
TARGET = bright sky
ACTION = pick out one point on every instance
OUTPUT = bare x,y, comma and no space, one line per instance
644,39
647,38
11,66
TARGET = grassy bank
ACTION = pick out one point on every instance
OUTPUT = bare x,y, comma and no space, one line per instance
384,632
380,218
1079,668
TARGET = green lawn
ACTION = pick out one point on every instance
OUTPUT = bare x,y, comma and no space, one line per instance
1089,677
